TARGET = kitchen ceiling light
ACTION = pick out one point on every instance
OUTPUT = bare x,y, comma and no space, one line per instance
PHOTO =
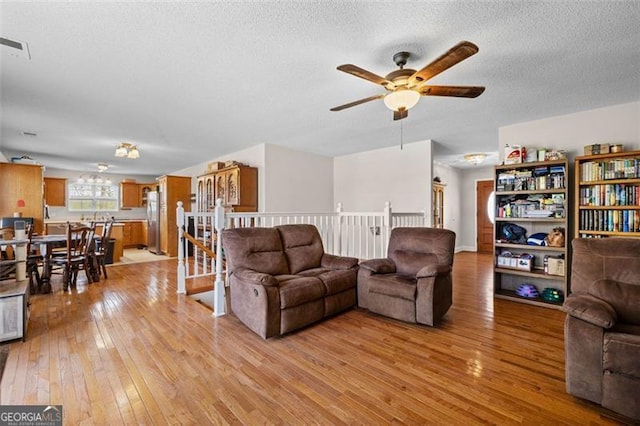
103,167
474,159
133,153
128,150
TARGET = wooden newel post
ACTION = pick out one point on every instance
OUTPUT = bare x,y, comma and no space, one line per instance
219,305
182,284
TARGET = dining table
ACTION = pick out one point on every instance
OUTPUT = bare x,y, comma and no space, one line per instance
47,244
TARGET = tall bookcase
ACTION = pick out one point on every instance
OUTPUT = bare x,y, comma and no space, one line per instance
533,196
607,202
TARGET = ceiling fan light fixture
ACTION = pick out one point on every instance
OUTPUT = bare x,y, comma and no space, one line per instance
475,158
401,99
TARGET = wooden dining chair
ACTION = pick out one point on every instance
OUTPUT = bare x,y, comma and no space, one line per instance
103,248
80,243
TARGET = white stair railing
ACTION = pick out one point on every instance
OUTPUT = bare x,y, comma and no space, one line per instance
364,235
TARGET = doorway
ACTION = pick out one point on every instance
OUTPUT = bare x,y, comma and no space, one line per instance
484,226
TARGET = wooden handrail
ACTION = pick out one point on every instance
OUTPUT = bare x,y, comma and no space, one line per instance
199,244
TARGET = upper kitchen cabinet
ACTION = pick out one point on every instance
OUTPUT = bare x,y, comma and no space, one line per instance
236,186
144,189
55,192
129,195
21,191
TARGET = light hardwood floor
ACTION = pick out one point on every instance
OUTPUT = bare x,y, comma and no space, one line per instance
128,350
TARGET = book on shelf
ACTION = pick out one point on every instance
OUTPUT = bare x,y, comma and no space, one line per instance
610,220
610,169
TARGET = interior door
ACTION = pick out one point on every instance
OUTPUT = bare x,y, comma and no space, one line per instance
484,225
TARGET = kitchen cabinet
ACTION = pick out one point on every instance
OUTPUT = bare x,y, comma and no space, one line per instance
143,190
55,192
21,190
144,232
532,196
607,201
172,190
129,195
117,234
132,234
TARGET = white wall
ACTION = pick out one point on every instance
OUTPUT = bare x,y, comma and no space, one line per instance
365,181
571,132
297,181
454,215
288,180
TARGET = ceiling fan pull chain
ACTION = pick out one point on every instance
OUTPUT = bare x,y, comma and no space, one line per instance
401,134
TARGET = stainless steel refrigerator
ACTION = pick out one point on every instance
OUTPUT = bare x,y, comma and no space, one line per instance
153,221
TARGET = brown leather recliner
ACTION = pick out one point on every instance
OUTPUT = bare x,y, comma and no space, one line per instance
281,279
414,282
602,328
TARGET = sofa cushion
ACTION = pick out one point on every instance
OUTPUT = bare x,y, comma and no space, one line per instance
621,354
393,285
623,297
335,281
259,249
299,290
302,246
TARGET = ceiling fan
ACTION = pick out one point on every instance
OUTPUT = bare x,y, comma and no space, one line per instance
405,85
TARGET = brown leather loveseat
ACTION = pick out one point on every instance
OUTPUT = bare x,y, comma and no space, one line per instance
281,279
602,328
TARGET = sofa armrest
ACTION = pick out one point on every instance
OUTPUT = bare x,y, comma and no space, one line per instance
590,309
379,266
338,262
257,278
433,270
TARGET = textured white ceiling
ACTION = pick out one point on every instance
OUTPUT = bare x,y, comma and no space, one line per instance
189,82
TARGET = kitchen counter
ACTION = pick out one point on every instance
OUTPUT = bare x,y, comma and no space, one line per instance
87,222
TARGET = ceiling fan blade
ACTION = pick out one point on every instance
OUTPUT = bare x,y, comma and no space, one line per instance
399,115
456,54
456,91
358,102
362,73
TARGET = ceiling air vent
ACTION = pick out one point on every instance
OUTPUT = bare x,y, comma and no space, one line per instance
15,48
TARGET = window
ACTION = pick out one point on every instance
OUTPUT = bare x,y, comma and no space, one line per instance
92,196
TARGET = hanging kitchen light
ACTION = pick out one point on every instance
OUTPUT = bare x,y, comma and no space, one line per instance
126,149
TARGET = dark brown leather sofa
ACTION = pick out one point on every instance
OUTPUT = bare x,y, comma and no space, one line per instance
281,279
602,328
414,282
